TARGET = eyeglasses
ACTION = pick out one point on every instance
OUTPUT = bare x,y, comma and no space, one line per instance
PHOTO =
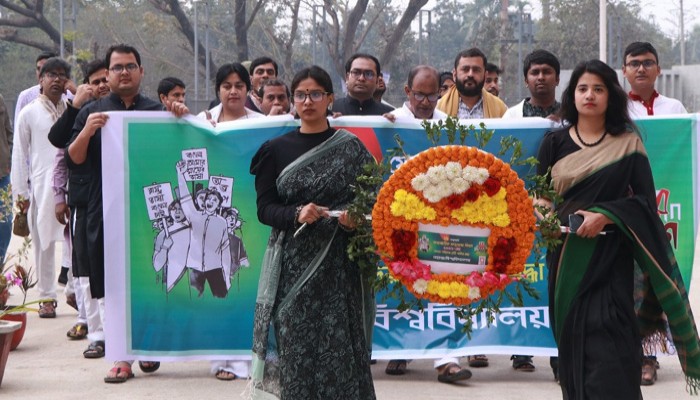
98,81
118,69
646,64
368,74
315,96
420,96
53,75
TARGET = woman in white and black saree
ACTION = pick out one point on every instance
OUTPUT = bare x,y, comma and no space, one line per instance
600,169
309,339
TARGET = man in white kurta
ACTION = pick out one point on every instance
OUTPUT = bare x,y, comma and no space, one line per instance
32,173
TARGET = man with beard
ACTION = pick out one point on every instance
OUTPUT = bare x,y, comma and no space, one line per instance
491,84
361,73
468,99
32,174
541,71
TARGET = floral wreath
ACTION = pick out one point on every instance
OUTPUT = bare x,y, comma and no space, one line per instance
454,186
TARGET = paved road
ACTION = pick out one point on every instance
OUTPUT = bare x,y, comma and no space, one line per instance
49,366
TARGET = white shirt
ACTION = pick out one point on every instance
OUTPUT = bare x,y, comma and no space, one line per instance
406,113
32,166
28,95
662,106
216,113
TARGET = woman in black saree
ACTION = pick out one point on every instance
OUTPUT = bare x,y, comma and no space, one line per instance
600,169
309,338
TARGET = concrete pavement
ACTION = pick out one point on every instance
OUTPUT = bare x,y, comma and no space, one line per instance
49,366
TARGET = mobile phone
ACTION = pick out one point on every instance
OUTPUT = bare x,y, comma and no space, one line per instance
575,221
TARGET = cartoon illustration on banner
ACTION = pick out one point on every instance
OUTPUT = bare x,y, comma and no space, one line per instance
199,235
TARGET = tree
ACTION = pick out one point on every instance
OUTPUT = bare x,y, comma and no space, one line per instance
347,30
29,15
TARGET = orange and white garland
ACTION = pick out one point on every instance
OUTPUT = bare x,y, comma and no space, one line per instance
449,186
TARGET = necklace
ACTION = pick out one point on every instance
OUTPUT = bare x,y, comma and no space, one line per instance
597,142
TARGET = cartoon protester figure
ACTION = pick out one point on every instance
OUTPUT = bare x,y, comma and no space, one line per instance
208,257
239,257
171,245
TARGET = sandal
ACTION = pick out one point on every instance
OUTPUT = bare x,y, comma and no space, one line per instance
478,361
453,372
523,363
149,366
79,331
648,372
71,301
396,367
224,375
121,374
96,349
47,309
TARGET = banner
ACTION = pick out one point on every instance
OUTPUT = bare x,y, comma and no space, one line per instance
165,303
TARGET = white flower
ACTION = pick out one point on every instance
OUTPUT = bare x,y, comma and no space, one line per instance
420,286
474,293
431,194
482,174
437,174
469,174
444,189
460,185
420,182
453,170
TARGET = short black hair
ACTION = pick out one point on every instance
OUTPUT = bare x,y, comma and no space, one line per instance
415,70
168,84
445,76
316,73
273,82
123,49
617,118
55,63
45,55
355,56
228,69
92,67
260,61
637,48
491,67
473,52
541,56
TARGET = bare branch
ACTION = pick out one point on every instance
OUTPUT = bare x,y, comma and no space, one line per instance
258,6
27,12
408,16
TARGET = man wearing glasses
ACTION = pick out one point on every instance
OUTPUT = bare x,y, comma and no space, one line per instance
32,173
124,68
361,74
641,70
422,90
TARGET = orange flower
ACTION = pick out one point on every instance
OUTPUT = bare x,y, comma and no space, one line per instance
519,210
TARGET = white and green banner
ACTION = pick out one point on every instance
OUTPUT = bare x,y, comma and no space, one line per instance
164,305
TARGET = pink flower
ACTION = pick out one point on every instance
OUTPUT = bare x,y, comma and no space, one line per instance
475,280
504,280
490,278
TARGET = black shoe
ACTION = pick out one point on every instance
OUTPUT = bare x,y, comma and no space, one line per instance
63,276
